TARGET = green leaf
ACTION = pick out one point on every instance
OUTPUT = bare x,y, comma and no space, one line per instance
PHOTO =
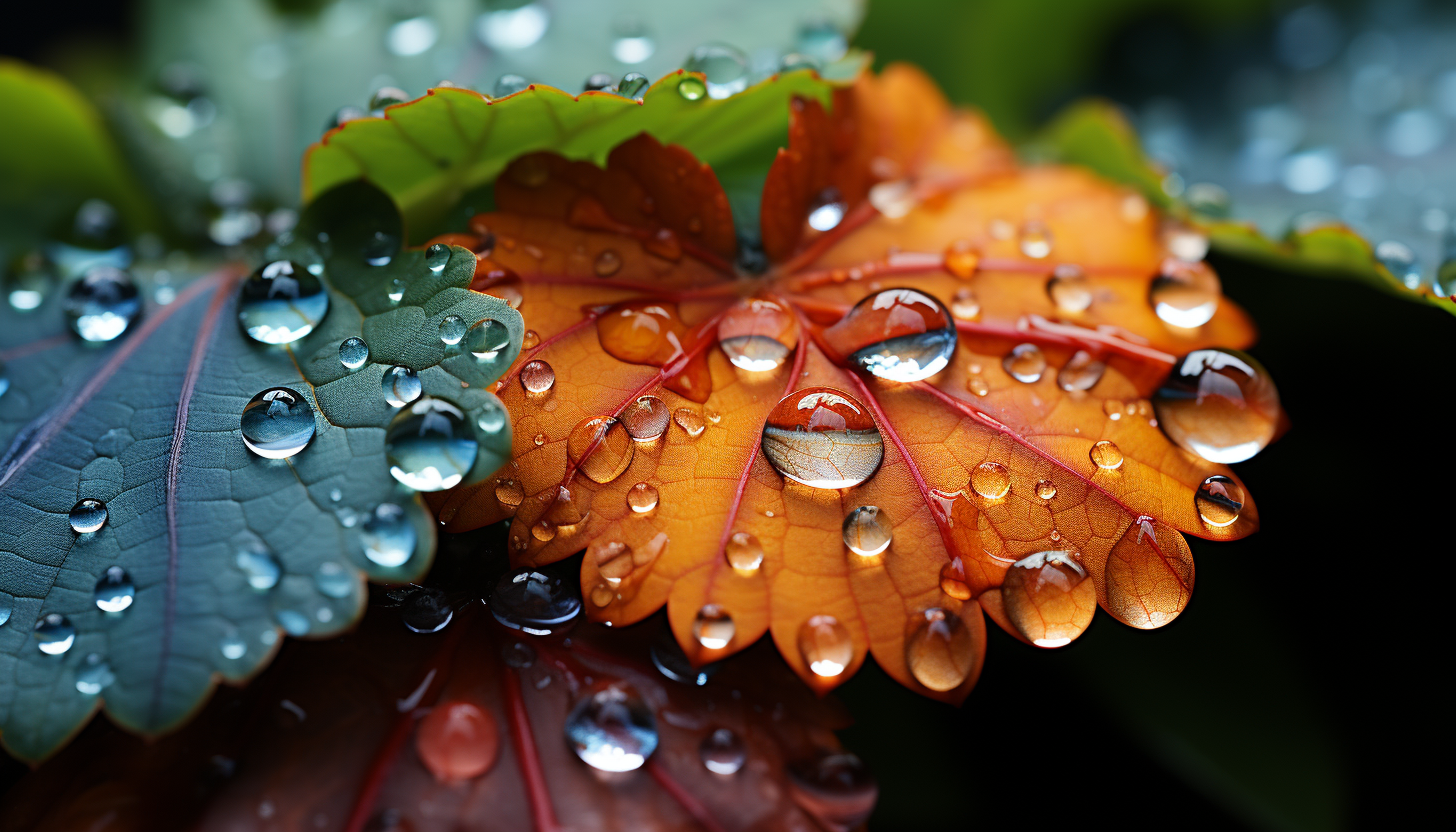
150,424
1095,134
427,154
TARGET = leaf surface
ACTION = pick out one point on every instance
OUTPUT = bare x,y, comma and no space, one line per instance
221,547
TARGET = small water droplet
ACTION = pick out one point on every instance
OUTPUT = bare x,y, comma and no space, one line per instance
1401,262
744,552
608,263
1185,295
1046,489
429,446
991,480
277,423
7,607
633,85
396,290
88,516
1219,500
437,256
894,199
1048,598
978,385
509,493
55,634
509,84
387,97
1113,408
1035,239
612,728
258,565
534,602
1025,363
537,377
281,302
1082,372
758,334
642,498
94,675
940,652
822,438
962,260
825,645
379,250
723,67
232,646
452,330
353,352
723,752
103,304
114,590
953,580
388,536
401,385
821,40
457,741
1106,455
601,448
896,334
487,340
539,439
867,531
826,211
427,610
713,627
691,88
335,580
965,305
1219,404
1069,289
646,419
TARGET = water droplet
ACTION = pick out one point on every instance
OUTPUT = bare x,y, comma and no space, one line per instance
744,552
646,418
426,611
825,645
758,334
387,97
940,652
1048,598
1106,455
1219,500
510,493
7,607
822,438
55,633
867,531
834,788
530,339
642,498
608,263
401,385
600,447
713,627
1149,575
1025,363
978,385
232,646
1400,261
1082,372
94,675
353,352
437,256
534,602
429,446
281,302
258,565
893,199
396,290
1046,489
335,580
277,423
612,728
388,536
962,260
723,752
457,741
487,340
539,439
953,580
537,377
724,68
632,44
101,305
509,84
991,480
822,41
1219,404
1185,242
88,516
633,85
379,250
1185,294
691,421
1035,239
965,305
1069,289
114,590
691,88
827,209
896,334
452,330
512,29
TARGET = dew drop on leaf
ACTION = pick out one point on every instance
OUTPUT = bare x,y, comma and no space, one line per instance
452,329
991,480
1185,295
396,290
114,590
691,421
825,645
334,580
281,302
896,334
1219,500
487,340
508,84
55,634
232,646
401,385
633,84
611,728
723,67
823,438
758,334
1106,455
1219,404
962,260
1025,363
965,305
953,580
691,88
88,516
510,493
353,352
670,660
744,552
537,377
1046,489
600,447
379,250
826,211
94,675
608,263
646,419
713,627
642,498
977,385
1401,262
867,531
259,566
530,339
1069,289
429,446
426,611
1149,575
940,651
1081,372
722,751
1035,239
103,304
437,256
1048,598
534,602
277,423
387,97
458,741
388,536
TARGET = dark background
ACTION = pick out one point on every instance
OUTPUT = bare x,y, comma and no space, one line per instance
1299,690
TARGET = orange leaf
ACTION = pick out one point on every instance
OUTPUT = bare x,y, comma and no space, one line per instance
944,397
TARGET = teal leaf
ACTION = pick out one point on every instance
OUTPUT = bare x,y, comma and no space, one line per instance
219,550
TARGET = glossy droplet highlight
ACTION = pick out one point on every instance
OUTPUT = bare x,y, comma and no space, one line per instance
1035,239
1185,295
823,438
1219,404
612,729
428,610
353,353
437,256
457,741
1149,575
388,536
259,566
537,377
534,602
940,651
826,211
103,304
1048,598
724,68
991,480
401,385
334,580
867,531
55,634
953,580
88,516
281,302
825,645
1070,290
691,421
487,340
429,446
1219,500
1026,363
114,590
608,263
1106,455
1081,372
978,385
646,419
758,334
601,448
94,675
277,423
1046,489
452,330
642,498
897,334
723,752
964,305
744,552
713,627
962,260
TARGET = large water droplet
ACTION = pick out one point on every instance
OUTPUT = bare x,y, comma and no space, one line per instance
281,302
867,531
114,590
1219,500
826,210
534,602
401,385
457,741
353,352
232,646
437,257
834,788
940,652
277,423
758,334
258,565
1185,294
991,480
723,752
1046,489
1082,372
55,634
600,447
101,305
429,446
744,552
1048,598
1106,455
1025,363
1069,289
896,334
612,728
633,85
427,610
825,645
509,84
88,516
724,68
487,340
965,305
537,377
822,438
1219,404
387,97
691,88
335,580
94,675
1035,239
513,29
388,536
452,329
713,627
646,419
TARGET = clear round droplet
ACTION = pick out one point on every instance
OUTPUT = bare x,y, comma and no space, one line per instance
826,210
488,340
867,531
1185,295
723,751
1026,363
1218,404
1048,598
612,728
601,448
940,652
1081,372
259,566
1046,489
825,645
114,590
724,68
452,330
388,536
534,602
387,97
277,423
991,480
1219,500
427,610
55,634
281,302
1401,262
965,305
608,263
88,516
537,377
510,493
646,419
1069,289
401,385
232,647
758,334
744,552
953,580
94,675
335,580
823,438
692,88
642,498
633,84
691,421
429,446
1106,455
437,256
1035,239
103,304
353,352
896,334
713,627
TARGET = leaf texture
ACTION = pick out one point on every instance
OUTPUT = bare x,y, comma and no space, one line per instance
220,549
